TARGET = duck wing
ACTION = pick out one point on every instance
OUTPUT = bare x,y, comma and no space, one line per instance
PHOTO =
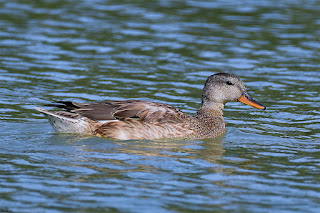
144,111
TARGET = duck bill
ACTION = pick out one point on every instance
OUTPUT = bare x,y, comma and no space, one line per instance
246,99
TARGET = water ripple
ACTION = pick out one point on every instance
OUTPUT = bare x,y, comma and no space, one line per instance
161,51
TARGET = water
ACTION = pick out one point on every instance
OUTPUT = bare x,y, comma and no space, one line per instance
85,51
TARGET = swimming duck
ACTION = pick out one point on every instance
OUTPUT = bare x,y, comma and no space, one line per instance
136,119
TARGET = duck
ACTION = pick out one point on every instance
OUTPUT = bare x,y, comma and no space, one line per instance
145,120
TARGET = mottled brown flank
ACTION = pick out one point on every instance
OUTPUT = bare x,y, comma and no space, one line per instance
133,129
135,119
145,120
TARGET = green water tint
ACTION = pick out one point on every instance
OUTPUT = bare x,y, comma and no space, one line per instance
160,51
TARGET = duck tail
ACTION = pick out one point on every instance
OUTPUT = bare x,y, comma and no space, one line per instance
67,122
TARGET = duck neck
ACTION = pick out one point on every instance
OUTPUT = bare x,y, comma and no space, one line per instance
210,110
209,120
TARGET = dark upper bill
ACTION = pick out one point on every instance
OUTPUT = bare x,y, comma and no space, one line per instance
246,99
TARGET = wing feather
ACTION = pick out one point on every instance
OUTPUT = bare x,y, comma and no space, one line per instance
143,111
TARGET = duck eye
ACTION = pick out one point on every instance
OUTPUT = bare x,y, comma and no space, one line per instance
229,83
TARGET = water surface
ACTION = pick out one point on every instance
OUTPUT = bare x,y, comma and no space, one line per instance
268,161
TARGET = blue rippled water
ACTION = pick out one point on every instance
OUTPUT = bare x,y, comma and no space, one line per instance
86,51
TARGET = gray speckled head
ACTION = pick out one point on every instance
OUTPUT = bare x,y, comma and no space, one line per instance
221,88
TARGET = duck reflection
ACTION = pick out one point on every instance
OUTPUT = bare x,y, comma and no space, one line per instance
90,148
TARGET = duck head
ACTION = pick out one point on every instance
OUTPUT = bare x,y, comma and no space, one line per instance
221,88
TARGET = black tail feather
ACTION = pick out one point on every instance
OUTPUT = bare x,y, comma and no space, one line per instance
67,105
